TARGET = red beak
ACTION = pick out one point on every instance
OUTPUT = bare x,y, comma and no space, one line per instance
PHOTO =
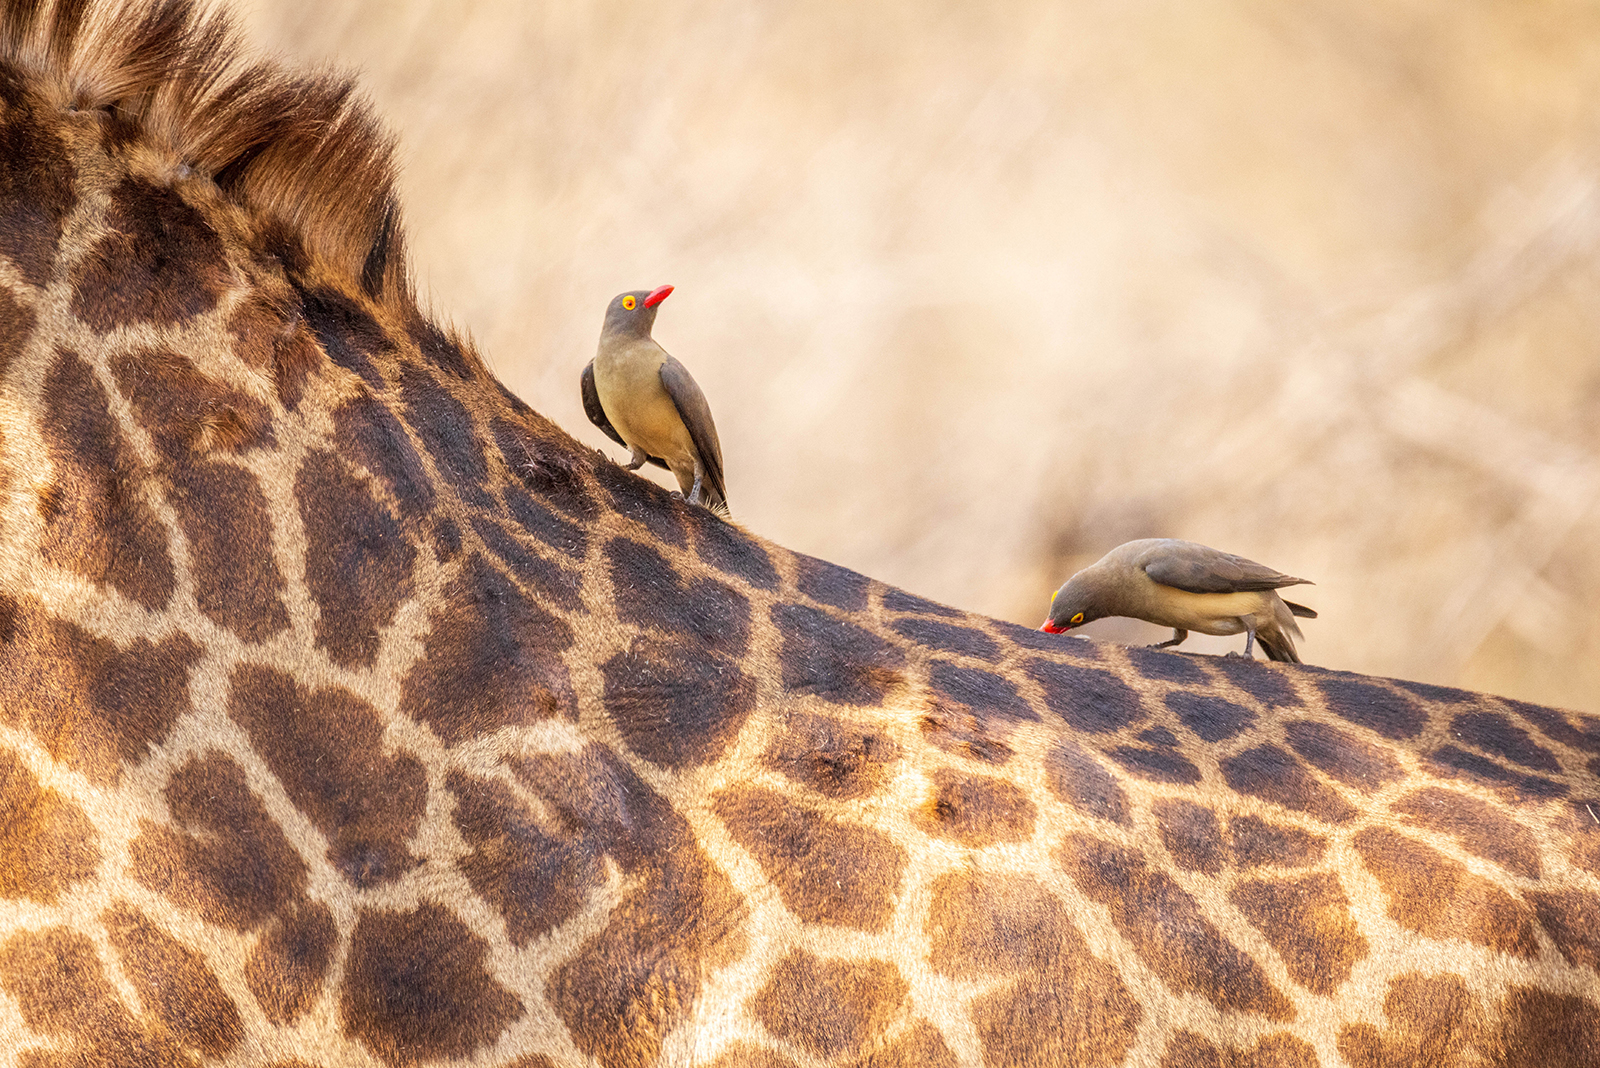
656,296
1051,628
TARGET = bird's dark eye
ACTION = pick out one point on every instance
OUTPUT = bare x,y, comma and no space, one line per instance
629,303
1076,618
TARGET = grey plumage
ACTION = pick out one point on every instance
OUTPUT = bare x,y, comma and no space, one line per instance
1185,586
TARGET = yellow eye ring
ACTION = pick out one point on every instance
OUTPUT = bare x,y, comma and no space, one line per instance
1053,596
629,302
1076,619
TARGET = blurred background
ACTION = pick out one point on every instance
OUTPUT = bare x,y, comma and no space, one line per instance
980,290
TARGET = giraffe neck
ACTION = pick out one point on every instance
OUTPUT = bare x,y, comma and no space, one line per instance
353,713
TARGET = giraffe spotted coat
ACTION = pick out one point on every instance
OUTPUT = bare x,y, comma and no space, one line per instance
352,713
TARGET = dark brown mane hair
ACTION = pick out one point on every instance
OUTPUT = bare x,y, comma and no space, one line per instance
301,153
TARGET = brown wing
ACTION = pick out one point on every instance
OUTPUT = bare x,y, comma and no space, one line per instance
696,415
1187,566
592,407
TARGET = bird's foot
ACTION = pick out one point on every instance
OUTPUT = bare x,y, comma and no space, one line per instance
633,465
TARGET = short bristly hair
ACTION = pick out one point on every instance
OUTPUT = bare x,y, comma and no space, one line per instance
301,153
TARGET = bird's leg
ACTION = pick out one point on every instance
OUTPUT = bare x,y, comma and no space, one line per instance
1249,643
694,493
1178,635
639,459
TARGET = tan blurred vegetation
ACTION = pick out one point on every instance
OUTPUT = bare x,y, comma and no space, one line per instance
980,290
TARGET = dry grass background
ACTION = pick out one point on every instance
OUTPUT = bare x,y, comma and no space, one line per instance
980,290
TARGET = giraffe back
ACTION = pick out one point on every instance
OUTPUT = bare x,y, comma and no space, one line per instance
352,713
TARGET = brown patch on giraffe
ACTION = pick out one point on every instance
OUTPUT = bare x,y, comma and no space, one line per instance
976,810
269,333
16,323
834,660
826,871
966,733
62,993
1271,774
730,550
674,706
1167,666
491,660
919,1047
745,1055
1087,698
223,513
447,434
1191,834
948,637
1165,926
533,1060
1434,895
1268,685
184,411
551,584
1212,718
416,989
286,969
226,860
983,925
1433,1020
1572,920
1077,778
536,877
1451,761
830,1008
92,705
1544,1029
326,748
1494,733
46,842
546,462
367,433
160,262
36,193
346,332
1394,715
1480,828
440,349
1189,1050
983,693
545,525
898,600
1342,755
1569,728
1308,922
358,560
1162,764
834,758
830,584
649,592
1254,843
173,982
97,522
680,919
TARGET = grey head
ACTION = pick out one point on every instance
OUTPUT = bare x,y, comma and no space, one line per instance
1081,599
633,313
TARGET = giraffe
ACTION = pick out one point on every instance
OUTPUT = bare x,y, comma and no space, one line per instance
352,713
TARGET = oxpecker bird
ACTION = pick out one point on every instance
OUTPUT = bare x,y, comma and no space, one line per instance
648,402
1185,586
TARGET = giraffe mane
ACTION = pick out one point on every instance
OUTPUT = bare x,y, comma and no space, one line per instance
301,153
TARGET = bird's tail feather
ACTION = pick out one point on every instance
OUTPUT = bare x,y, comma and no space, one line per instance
1278,646
1301,610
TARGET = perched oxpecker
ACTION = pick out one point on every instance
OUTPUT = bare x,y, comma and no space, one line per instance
1185,586
648,402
